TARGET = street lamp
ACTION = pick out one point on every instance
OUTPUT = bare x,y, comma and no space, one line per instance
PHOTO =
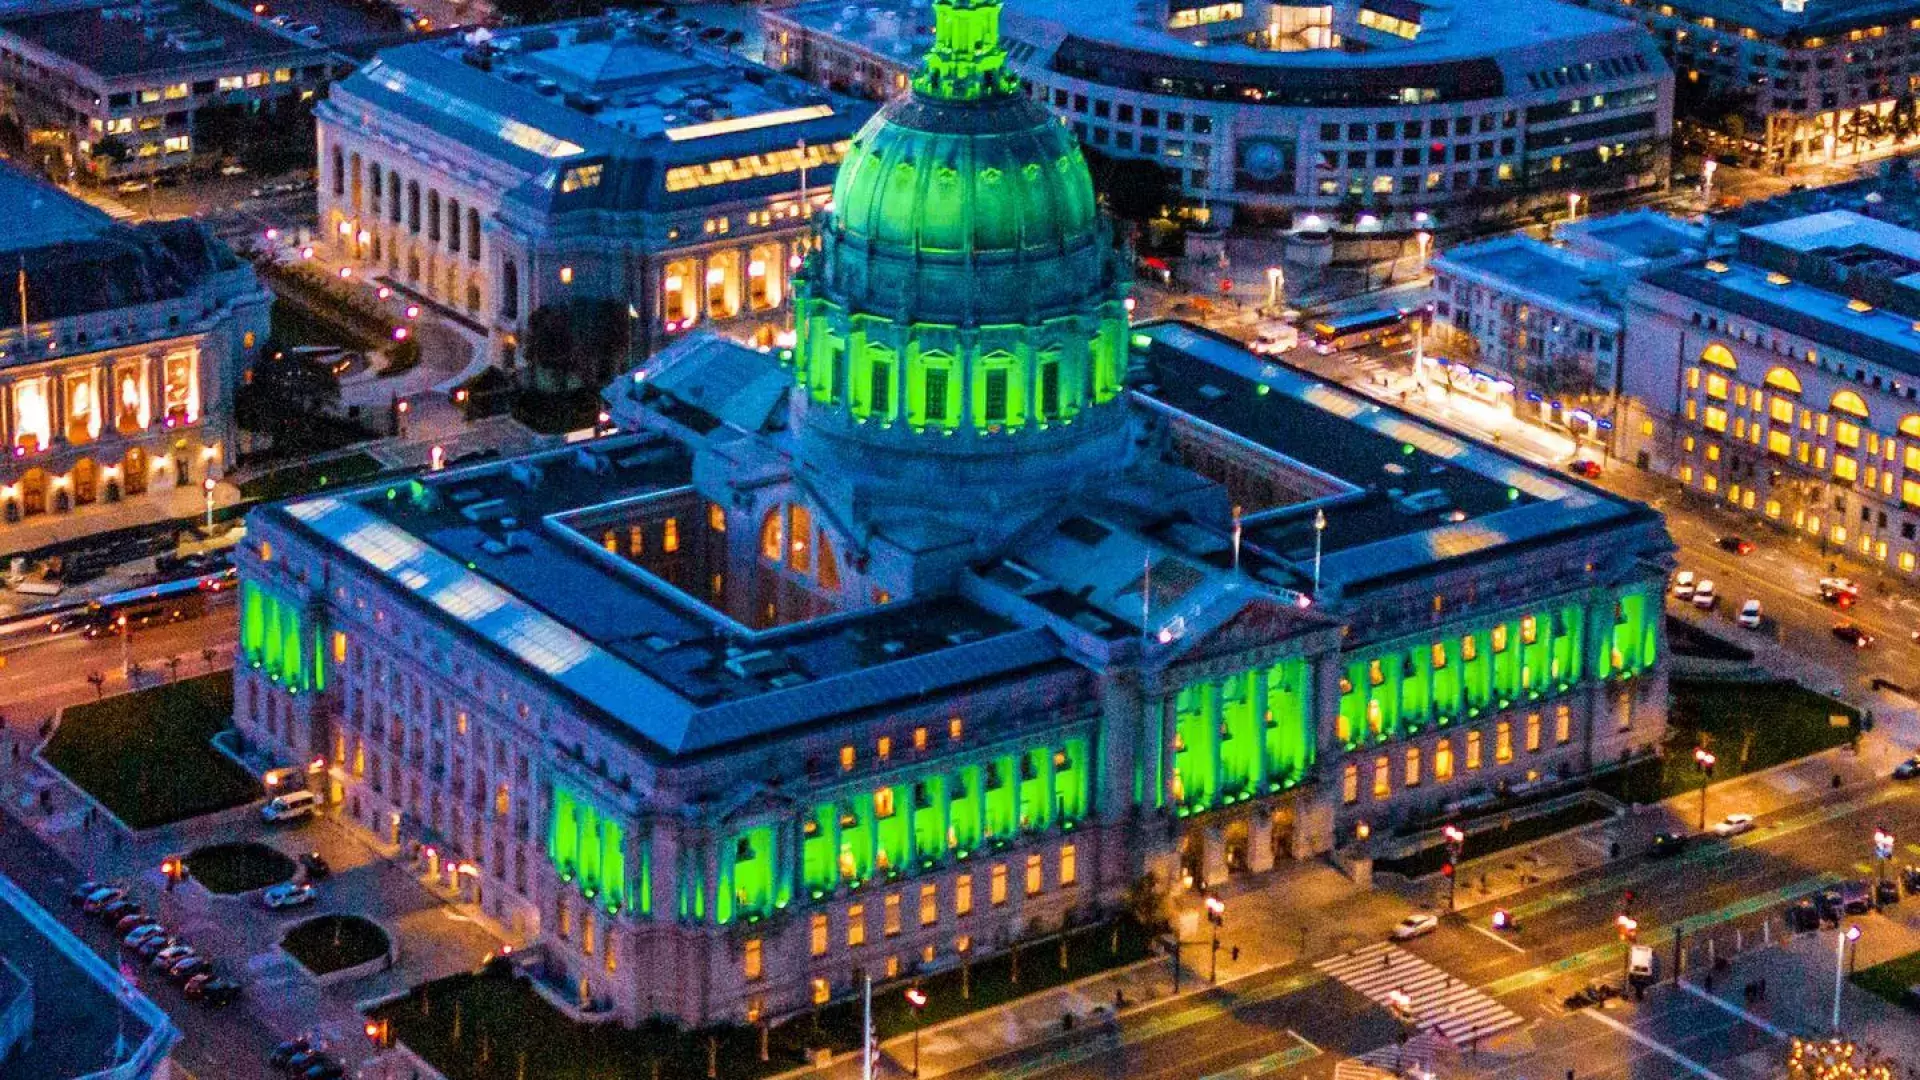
207,485
1425,240
1704,759
1882,851
1276,281
1840,945
1456,840
1217,915
917,998
1573,205
126,646
1707,168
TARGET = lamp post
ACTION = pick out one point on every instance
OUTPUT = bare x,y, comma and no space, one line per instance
1276,283
1216,915
1424,239
126,646
1573,205
1704,759
207,485
917,998
1882,851
1456,840
1707,168
1840,944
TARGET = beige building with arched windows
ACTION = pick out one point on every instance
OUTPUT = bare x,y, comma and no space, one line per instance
118,367
1785,380
603,158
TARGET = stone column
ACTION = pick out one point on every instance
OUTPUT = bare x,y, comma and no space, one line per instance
1260,839
1213,867
664,869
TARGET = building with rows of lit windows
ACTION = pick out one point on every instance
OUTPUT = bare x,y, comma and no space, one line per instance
1271,111
1784,378
942,628
600,159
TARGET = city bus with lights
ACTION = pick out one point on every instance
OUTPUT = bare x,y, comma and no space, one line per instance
148,605
1338,333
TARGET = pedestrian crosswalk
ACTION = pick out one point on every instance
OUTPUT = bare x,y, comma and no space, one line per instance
1435,1001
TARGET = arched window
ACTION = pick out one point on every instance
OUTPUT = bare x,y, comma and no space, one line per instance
393,197
473,234
433,216
413,206
1846,401
1719,356
453,226
376,187
773,534
339,171
509,289
1783,380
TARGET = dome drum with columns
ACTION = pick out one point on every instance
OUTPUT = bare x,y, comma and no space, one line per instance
967,305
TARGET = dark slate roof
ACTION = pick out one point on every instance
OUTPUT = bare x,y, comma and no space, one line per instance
115,48
120,267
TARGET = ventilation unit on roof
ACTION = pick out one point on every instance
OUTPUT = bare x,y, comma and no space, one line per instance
759,664
1423,502
506,543
787,680
893,648
526,474
588,461
964,637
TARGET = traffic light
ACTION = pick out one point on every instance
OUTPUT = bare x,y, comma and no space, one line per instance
1446,868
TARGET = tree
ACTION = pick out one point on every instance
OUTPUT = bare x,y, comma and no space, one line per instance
1903,121
284,390
1146,903
1134,189
578,343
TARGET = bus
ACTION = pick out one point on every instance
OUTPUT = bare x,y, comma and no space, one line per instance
1338,333
148,605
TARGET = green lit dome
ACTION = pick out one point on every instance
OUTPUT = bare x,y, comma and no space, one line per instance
956,177
966,309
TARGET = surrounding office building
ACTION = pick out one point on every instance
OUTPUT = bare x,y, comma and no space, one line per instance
1271,112
108,90
1784,379
497,173
66,1014
1804,81
1536,327
117,379
945,626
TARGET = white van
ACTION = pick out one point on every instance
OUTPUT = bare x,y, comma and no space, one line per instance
1276,338
292,805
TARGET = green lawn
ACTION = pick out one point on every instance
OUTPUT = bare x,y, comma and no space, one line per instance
1749,726
500,1019
238,868
1523,830
146,755
312,476
332,942
1891,979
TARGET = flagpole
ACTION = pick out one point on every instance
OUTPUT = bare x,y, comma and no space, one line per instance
1236,539
866,1026
1146,591
1319,528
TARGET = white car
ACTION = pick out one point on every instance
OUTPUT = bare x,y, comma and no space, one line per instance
1733,825
1750,615
1683,585
1704,595
1414,926
288,894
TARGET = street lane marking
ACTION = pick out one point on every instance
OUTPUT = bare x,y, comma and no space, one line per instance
1484,932
1654,1045
1613,951
1756,1021
1649,871
1272,1063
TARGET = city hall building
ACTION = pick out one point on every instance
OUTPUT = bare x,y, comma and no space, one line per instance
1389,108
499,172
118,369
947,625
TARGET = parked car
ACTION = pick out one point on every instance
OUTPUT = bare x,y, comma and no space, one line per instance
187,967
281,1055
1416,925
287,894
289,807
127,923
1886,892
1668,844
1705,596
1739,545
1683,585
1830,904
153,946
111,914
1839,591
1586,467
1750,615
171,955
324,1069
300,1062
1733,825
1907,769
140,935
1856,898
100,898
316,867
1853,635
1910,877
211,989
1804,916
84,890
